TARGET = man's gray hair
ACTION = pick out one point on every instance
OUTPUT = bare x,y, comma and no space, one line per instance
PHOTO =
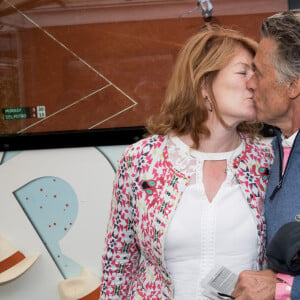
284,29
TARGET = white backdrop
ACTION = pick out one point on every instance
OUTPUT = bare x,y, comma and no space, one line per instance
88,174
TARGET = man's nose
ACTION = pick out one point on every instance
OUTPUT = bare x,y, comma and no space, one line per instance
251,83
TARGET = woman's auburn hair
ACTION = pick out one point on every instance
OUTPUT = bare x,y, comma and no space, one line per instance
184,110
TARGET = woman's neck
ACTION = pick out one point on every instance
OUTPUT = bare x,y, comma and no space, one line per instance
220,140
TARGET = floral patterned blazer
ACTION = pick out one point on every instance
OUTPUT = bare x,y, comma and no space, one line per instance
146,192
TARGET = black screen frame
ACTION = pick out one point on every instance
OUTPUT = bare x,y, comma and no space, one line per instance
70,139
82,138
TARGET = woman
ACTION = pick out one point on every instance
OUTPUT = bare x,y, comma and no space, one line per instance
190,195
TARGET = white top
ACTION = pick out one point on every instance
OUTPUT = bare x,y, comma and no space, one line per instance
202,233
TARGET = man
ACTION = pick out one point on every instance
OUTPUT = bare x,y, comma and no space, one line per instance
276,83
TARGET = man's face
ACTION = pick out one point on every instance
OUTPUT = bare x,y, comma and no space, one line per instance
270,96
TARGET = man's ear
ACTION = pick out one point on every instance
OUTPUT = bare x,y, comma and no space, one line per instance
294,88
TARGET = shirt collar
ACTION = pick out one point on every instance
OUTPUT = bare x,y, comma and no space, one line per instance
288,142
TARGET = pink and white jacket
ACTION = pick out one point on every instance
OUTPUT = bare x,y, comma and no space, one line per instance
146,193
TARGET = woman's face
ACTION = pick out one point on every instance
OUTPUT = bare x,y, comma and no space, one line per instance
234,99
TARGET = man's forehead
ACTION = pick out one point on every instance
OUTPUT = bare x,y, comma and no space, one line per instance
266,46
263,53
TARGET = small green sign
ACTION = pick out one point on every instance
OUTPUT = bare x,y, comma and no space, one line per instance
16,113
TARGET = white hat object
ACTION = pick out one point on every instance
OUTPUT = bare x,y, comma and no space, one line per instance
84,287
13,262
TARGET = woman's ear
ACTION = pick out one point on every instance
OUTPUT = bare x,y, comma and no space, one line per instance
204,94
204,91
294,89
